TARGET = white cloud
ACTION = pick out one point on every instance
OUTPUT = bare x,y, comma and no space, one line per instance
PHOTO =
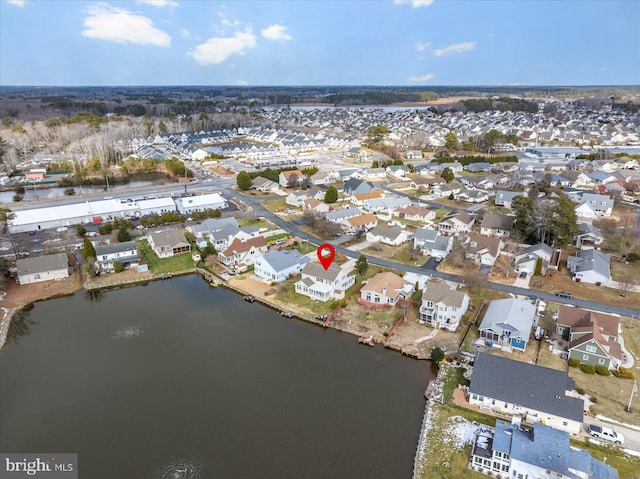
218,49
184,33
159,3
17,3
422,78
423,46
276,32
242,83
122,26
456,48
415,3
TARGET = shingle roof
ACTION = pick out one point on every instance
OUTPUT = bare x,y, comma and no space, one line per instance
389,281
169,238
590,260
103,249
527,385
497,221
317,271
281,260
440,292
42,264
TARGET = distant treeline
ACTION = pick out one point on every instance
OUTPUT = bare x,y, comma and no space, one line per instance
501,104
380,98
469,159
274,174
628,107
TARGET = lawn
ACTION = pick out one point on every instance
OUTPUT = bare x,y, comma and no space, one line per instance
286,295
400,254
306,248
165,265
276,205
258,223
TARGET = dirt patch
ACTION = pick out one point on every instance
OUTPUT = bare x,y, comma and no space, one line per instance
18,296
220,170
127,276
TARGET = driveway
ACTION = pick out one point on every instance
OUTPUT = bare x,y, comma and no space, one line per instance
631,436
522,282
431,264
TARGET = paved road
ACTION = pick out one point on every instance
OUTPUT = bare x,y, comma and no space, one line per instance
607,308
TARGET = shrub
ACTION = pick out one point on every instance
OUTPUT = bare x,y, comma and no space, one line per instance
623,373
335,304
344,303
602,370
588,368
574,363
118,267
580,391
594,399
437,354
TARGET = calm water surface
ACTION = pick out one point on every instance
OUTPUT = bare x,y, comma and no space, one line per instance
180,380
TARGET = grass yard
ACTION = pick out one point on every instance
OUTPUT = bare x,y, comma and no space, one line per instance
549,360
286,295
400,254
276,205
165,265
306,248
258,223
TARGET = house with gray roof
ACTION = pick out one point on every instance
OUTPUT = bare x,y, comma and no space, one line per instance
507,324
340,216
456,223
527,260
210,225
590,266
511,450
496,224
168,243
265,185
42,268
391,235
277,266
355,186
504,198
593,206
530,392
587,233
107,254
442,305
324,284
431,242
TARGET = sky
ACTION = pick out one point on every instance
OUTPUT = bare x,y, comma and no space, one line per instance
318,42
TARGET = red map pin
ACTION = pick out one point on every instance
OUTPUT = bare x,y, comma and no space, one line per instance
326,261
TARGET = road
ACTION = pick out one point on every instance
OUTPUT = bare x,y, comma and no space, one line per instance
607,308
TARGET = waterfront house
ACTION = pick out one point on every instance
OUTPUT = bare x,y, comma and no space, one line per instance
442,305
507,324
168,243
210,225
324,285
106,255
384,290
590,266
42,268
592,336
277,266
510,450
242,253
532,393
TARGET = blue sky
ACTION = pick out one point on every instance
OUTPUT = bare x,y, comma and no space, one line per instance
316,42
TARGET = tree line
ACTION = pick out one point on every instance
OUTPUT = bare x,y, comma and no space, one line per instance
469,159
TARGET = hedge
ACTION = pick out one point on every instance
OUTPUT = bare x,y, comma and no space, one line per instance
623,373
602,371
574,363
588,368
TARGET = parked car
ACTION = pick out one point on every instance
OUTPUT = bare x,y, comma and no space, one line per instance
564,294
606,433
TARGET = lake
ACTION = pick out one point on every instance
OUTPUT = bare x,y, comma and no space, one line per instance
180,380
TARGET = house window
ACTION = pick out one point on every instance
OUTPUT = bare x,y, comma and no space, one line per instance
564,423
601,361
591,348
36,276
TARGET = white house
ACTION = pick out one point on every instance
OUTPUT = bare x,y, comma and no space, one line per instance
415,213
454,224
590,266
482,249
527,260
442,305
324,285
42,268
431,242
106,255
211,201
291,178
168,243
594,206
242,253
277,266
384,290
394,235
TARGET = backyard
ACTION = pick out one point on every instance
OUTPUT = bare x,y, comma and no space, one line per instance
165,265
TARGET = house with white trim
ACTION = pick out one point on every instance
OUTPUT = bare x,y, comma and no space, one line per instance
590,266
42,268
384,290
324,285
442,305
277,266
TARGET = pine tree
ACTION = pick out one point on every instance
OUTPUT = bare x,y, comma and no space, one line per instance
89,251
244,180
331,196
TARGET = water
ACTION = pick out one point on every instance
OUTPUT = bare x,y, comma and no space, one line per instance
181,380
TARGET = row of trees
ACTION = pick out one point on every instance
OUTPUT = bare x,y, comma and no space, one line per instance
542,220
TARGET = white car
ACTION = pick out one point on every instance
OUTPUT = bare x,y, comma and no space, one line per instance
606,433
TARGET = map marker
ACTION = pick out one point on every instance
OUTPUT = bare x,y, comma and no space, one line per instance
326,260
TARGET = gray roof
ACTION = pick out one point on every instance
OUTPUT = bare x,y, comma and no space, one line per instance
548,449
527,385
587,228
597,200
391,232
282,260
426,235
168,238
103,249
508,196
215,224
498,221
509,315
590,260
342,214
536,248
317,271
42,264
226,231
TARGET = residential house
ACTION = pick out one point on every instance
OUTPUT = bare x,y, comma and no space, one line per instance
323,178
533,393
424,184
384,290
587,233
375,173
592,206
472,196
386,205
277,266
527,260
505,198
446,190
511,450
415,213
212,201
590,266
242,253
210,225
42,268
265,185
442,305
324,285
482,249
413,154
507,324
108,254
399,171
168,243
341,216
431,242
359,223
348,174
354,186
592,336
394,235
496,224
315,206
456,223
291,178
361,198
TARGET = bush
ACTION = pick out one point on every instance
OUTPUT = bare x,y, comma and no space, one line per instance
602,371
574,363
118,267
623,373
594,399
580,391
437,354
335,304
344,303
588,368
